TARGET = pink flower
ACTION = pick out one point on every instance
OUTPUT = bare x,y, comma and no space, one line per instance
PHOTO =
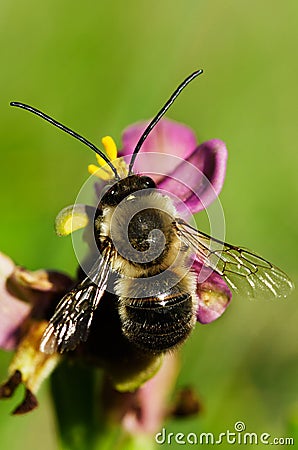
194,174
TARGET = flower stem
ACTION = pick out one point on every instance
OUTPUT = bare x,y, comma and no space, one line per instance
73,390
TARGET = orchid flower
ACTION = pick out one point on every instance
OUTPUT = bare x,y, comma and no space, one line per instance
28,298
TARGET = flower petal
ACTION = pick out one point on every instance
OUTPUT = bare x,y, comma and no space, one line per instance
42,289
168,137
24,293
13,311
198,180
214,296
194,174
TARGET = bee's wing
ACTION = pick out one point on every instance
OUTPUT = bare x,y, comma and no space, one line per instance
243,270
72,318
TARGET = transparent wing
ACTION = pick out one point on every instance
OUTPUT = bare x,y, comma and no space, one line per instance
243,270
72,318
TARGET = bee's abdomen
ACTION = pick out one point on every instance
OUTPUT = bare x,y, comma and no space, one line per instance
158,323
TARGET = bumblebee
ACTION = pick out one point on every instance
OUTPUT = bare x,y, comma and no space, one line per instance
145,252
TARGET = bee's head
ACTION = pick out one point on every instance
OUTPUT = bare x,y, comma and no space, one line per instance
125,187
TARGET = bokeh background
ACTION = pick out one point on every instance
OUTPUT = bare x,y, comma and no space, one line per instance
98,66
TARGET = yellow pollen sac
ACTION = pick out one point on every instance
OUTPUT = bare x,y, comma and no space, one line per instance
110,147
70,219
104,171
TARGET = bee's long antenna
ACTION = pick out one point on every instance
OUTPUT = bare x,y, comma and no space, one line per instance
67,130
159,116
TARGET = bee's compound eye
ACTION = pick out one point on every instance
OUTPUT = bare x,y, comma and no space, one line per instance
148,182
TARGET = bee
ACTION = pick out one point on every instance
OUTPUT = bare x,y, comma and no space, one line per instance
145,251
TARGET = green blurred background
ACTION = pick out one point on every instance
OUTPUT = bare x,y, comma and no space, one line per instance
98,66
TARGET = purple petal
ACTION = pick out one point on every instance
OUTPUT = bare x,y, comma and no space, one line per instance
42,289
170,156
24,293
168,137
13,311
198,180
214,296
